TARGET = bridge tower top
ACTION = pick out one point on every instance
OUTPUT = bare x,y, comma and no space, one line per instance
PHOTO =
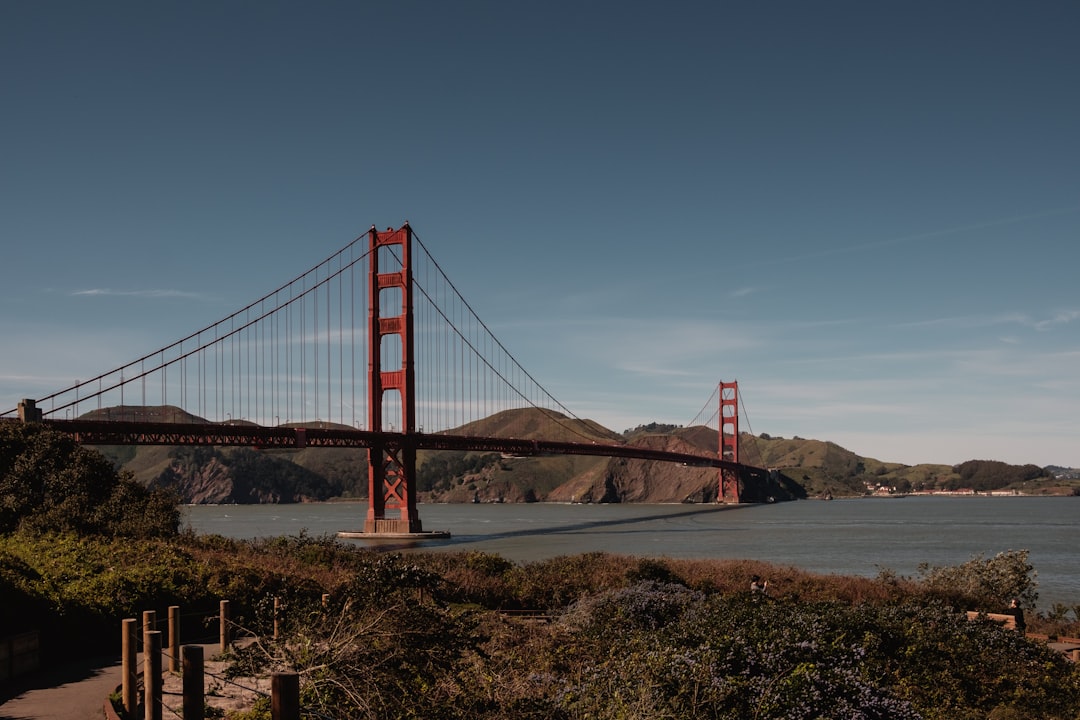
392,460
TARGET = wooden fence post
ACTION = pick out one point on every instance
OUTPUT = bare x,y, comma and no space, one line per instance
149,622
285,696
194,692
129,666
174,638
152,674
277,617
224,617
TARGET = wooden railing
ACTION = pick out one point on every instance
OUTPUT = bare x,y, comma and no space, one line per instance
189,662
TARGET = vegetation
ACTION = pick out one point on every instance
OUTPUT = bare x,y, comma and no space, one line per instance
651,428
983,583
984,475
439,471
824,468
254,476
603,636
48,483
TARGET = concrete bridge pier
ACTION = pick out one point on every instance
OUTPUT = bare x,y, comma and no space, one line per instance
29,411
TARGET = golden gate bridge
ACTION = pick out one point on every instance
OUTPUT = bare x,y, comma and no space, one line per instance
374,348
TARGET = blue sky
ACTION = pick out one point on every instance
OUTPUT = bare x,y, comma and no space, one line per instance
866,213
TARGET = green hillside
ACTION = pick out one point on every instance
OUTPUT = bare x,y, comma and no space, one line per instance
803,467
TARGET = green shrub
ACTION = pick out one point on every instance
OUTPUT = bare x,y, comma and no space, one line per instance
49,483
629,638
984,584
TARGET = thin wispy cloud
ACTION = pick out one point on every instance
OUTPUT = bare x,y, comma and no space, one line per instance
1061,318
162,293
744,291
653,370
811,324
667,346
965,321
979,321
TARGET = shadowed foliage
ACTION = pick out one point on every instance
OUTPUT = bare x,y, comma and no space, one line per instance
48,483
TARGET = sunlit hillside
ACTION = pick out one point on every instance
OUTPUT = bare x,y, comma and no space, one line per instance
801,467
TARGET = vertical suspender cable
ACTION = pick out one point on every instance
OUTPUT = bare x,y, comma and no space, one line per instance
233,370
288,357
329,411
258,363
461,371
303,355
273,379
219,375
352,331
341,345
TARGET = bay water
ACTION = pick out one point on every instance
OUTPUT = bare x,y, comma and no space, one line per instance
859,537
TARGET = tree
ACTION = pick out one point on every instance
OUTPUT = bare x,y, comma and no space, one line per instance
989,583
49,483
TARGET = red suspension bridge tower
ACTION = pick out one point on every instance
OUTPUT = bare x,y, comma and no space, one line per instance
729,440
391,458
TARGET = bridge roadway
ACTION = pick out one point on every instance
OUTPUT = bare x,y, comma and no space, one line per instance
120,432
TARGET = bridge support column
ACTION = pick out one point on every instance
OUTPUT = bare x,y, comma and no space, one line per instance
29,411
391,463
729,441
392,485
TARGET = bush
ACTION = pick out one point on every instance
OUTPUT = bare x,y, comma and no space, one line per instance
984,584
629,638
48,483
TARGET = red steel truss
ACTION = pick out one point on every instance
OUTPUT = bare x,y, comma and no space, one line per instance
118,432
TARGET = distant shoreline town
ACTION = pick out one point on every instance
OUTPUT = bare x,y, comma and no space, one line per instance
961,492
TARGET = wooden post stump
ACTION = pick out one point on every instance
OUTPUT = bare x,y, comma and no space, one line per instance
194,689
129,687
225,635
285,696
277,618
152,675
149,623
174,638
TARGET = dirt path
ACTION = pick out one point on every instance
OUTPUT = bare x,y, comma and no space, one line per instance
74,691
79,690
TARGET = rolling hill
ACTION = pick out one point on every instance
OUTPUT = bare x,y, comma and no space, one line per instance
799,468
